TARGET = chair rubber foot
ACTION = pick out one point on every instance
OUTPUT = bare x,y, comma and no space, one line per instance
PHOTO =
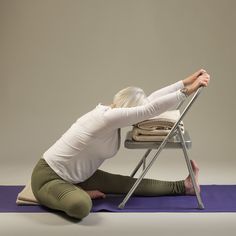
201,206
121,206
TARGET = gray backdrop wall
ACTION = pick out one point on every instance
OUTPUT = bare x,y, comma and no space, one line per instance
59,59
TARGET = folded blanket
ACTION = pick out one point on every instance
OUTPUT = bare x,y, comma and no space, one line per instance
156,128
26,196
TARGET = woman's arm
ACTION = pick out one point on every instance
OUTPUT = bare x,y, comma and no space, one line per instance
121,117
176,86
166,90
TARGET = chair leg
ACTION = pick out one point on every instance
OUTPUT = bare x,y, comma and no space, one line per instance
128,195
142,161
184,148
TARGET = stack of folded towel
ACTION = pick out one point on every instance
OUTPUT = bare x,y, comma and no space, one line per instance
156,128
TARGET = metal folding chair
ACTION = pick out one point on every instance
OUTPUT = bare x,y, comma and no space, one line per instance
175,139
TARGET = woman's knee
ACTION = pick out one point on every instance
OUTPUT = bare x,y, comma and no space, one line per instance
80,207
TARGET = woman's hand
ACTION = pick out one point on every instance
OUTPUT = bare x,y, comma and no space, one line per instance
191,79
95,194
202,80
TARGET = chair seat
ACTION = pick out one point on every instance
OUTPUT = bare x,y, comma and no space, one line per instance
174,142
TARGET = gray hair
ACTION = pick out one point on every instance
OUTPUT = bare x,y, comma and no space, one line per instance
130,97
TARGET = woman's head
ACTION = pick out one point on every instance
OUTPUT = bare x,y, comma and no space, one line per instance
129,97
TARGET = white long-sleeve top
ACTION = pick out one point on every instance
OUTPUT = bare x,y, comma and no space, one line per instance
94,137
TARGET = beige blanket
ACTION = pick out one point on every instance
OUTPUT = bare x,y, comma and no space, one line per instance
156,128
26,196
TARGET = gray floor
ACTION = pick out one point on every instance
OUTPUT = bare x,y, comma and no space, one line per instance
131,223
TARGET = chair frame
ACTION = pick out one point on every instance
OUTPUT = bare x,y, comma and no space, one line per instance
160,146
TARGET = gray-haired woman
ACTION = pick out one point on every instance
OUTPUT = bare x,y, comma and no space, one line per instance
67,177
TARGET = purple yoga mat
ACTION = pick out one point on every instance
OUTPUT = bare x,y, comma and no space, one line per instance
216,198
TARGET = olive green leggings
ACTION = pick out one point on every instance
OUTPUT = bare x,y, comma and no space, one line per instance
54,192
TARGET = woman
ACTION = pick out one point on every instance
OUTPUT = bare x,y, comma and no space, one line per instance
67,177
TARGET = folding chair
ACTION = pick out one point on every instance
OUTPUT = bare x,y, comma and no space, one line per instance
175,139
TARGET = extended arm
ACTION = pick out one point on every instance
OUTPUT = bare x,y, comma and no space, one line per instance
159,102
166,90
121,117
176,86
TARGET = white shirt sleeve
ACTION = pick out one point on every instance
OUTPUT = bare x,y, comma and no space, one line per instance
168,89
120,117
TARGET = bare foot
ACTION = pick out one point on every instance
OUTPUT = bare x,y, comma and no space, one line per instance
95,194
189,190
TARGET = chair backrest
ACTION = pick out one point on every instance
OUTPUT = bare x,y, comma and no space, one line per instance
194,97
